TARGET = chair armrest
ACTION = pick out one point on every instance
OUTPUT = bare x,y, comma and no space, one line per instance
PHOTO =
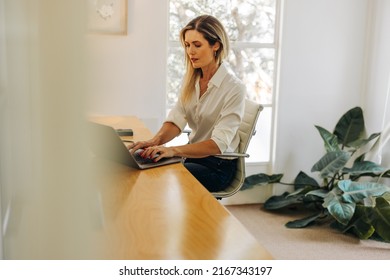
188,131
232,155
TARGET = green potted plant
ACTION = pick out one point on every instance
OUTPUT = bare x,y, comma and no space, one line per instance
351,196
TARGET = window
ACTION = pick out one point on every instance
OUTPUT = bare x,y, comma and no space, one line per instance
252,29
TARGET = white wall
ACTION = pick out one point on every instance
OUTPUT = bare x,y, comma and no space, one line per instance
377,98
128,73
321,77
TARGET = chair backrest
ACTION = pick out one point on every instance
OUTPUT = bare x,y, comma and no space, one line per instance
246,130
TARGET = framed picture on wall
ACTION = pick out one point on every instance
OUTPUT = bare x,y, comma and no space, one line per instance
107,16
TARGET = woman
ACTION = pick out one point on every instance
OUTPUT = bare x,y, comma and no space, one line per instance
211,103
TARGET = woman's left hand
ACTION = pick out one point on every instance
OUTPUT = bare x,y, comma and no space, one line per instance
158,152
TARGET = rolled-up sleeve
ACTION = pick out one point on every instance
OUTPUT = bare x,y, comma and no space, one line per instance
225,130
177,116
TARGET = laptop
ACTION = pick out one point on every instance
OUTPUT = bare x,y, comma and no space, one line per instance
105,142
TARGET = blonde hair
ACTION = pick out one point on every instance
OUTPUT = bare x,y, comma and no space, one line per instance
213,31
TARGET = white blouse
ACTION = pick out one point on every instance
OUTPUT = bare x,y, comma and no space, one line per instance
217,114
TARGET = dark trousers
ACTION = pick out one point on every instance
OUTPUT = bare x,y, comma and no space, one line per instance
214,173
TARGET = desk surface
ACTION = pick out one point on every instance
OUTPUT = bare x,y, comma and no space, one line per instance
164,212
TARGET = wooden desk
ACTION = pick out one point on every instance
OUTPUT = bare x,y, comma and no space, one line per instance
165,213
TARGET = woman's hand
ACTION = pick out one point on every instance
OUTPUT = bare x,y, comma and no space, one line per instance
140,145
157,152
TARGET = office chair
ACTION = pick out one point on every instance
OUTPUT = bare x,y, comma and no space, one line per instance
245,131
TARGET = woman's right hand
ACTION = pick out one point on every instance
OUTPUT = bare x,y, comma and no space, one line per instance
140,145
166,133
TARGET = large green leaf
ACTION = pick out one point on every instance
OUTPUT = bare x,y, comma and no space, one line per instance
307,199
312,201
260,179
302,180
354,192
301,223
369,220
361,142
331,163
301,191
281,201
380,218
386,174
350,127
330,140
340,210
320,193
364,167
360,223
363,230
